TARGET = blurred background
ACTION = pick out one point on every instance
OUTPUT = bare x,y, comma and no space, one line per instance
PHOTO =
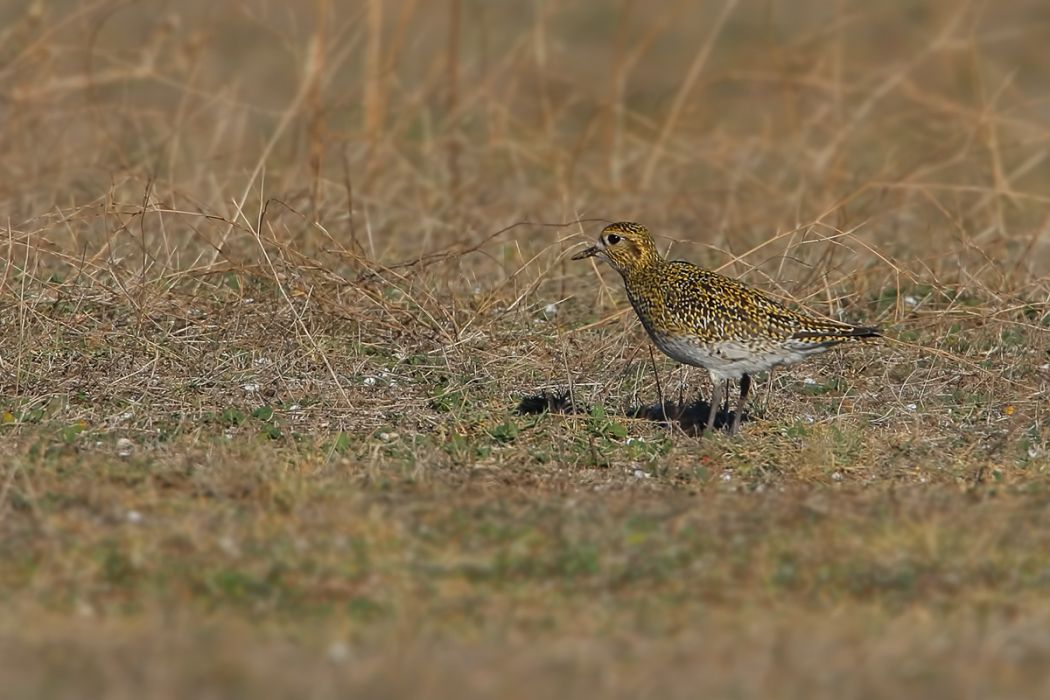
425,122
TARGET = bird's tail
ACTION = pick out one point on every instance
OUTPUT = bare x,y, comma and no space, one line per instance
832,333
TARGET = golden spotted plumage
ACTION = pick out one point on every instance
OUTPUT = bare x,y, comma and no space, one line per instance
705,319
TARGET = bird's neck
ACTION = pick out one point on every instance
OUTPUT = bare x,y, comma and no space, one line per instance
643,271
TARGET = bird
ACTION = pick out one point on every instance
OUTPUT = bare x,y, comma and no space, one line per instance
704,319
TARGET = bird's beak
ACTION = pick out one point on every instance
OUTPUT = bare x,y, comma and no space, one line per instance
589,253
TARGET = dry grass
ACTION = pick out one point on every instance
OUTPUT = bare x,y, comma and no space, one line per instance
281,287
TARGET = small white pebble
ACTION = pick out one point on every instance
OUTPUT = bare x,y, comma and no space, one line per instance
338,652
640,474
809,380
250,387
727,475
247,300
837,476
910,407
125,447
388,437
294,407
134,517
911,301
229,546
550,310
369,381
261,361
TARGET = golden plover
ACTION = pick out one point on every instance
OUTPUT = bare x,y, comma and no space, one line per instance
701,318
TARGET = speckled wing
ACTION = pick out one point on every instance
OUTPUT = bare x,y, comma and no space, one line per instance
723,309
736,312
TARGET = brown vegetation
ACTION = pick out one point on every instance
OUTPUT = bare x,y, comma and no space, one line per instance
284,287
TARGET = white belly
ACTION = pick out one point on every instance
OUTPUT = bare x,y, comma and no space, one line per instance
727,360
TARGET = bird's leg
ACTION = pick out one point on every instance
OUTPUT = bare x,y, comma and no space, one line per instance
745,386
725,404
714,403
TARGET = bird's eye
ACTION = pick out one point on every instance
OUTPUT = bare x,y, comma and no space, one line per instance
612,239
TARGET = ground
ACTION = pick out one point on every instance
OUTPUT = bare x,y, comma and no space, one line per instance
301,394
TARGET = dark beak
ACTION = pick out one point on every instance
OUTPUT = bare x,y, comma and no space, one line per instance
589,253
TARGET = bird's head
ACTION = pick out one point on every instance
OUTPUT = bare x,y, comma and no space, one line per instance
625,245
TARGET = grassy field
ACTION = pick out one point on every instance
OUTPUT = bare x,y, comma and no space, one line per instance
300,394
